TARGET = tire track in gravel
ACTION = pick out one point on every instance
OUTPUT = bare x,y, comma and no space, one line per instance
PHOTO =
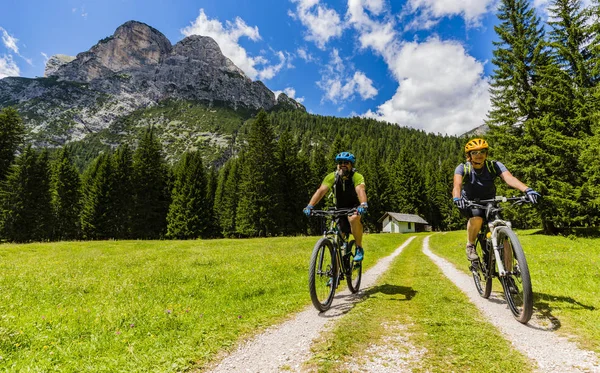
285,347
551,352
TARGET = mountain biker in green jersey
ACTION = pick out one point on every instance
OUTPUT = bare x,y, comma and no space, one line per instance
474,179
349,192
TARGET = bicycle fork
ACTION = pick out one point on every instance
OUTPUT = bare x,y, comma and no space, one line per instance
499,261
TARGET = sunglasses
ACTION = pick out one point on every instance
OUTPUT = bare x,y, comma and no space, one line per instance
343,162
477,152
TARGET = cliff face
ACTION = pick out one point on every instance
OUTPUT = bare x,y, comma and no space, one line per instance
136,67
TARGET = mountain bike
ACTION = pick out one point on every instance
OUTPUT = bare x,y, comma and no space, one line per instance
332,261
501,255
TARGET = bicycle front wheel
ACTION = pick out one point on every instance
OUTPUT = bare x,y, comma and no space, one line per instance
353,269
322,274
480,268
517,282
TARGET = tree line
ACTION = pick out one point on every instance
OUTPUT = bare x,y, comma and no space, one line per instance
131,193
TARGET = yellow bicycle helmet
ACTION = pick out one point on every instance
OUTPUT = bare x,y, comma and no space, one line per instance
476,144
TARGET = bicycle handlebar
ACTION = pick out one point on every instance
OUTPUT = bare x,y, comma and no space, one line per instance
482,203
334,212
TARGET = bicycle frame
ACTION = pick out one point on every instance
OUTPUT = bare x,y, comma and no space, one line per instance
337,236
493,225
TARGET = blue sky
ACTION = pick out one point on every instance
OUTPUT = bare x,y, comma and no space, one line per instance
419,63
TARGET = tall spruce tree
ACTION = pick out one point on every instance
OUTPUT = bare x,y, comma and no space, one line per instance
151,184
213,228
257,209
519,55
11,137
66,197
123,191
97,219
294,175
25,200
377,188
189,213
227,201
557,136
406,186
521,58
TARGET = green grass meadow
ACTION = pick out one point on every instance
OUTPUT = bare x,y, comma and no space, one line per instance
140,306
565,276
169,306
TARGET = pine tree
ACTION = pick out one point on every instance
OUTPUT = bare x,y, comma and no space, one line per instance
97,220
256,213
122,192
66,197
11,136
151,185
557,137
519,55
521,58
406,186
25,212
188,216
319,168
377,187
213,227
294,175
229,201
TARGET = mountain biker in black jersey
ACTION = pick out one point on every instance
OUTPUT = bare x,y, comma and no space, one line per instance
474,179
349,192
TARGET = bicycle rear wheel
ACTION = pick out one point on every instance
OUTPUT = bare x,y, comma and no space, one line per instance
353,269
322,274
517,282
480,268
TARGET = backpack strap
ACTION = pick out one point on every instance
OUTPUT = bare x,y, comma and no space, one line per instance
490,165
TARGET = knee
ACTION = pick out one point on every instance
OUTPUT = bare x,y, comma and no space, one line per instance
354,219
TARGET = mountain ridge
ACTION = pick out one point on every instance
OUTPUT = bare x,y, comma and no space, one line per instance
135,68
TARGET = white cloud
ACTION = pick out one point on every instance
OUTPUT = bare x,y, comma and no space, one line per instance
8,67
228,39
339,86
321,22
291,93
372,34
9,41
431,10
442,89
302,53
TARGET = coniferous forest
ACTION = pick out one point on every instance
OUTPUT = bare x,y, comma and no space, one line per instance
544,126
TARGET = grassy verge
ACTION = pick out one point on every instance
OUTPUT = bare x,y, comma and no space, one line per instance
138,306
565,275
444,331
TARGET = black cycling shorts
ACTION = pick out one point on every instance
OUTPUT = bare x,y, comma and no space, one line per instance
344,224
469,213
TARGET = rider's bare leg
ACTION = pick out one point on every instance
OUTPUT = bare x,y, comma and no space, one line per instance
357,229
473,227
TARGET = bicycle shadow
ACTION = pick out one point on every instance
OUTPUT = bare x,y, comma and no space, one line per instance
544,309
345,301
388,289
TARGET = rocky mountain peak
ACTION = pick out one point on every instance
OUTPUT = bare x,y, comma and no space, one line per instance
204,48
133,45
133,69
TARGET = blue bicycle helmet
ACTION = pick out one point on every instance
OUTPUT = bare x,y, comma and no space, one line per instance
345,156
